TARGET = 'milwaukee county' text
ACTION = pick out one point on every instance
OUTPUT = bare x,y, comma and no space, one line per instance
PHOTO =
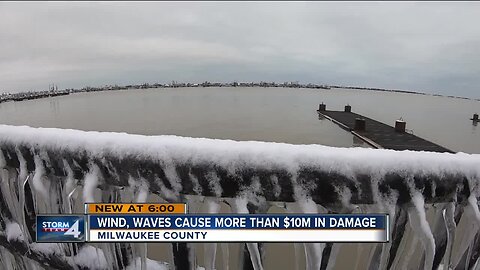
150,235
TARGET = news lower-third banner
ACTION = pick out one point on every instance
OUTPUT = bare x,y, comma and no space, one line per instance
238,228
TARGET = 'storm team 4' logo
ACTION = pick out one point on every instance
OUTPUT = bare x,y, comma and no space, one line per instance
60,228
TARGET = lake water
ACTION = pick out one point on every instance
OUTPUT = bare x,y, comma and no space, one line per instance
265,114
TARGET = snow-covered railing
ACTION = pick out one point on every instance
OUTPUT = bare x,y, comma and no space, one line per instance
44,169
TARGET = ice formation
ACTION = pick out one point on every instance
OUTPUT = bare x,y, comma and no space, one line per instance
56,171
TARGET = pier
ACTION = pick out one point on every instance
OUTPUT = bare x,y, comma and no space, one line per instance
378,134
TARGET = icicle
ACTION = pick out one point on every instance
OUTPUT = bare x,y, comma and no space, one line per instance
136,191
91,258
70,182
449,216
382,204
255,256
472,214
406,259
13,231
333,255
337,246
197,188
3,162
23,222
362,247
108,249
71,198
33,265
304,204
313,251
13,197
473,205
142,251
277,189
174,179
166,193
7,258
385,253
356,209
477,265
141,189
213,207
69,189
90,184
194,204
110,195
22,165
297,251
421,228
9,189
9,194
225,255
214,184
38,182
404,252
239,205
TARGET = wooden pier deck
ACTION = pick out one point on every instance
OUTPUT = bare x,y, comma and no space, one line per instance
380,135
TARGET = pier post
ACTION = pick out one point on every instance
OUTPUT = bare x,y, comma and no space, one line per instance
322,107
348,108
400,125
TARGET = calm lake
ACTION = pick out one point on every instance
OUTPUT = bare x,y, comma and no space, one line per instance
265,114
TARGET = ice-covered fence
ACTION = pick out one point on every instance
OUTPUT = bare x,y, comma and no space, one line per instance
42,168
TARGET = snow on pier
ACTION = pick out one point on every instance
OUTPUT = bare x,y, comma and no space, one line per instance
54,170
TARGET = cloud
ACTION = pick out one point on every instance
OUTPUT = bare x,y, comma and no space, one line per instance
432,47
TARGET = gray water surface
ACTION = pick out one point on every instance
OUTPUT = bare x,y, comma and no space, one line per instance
265,114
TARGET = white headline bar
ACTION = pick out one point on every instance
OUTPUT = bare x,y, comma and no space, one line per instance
225,235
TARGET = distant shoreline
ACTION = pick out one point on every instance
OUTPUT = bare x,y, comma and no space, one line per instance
401,91
54,91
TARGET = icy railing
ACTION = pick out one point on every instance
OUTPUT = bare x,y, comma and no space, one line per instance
56,171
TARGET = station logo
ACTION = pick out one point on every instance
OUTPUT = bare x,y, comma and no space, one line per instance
60,228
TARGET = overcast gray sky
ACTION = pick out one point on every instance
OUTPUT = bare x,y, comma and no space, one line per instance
431,47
